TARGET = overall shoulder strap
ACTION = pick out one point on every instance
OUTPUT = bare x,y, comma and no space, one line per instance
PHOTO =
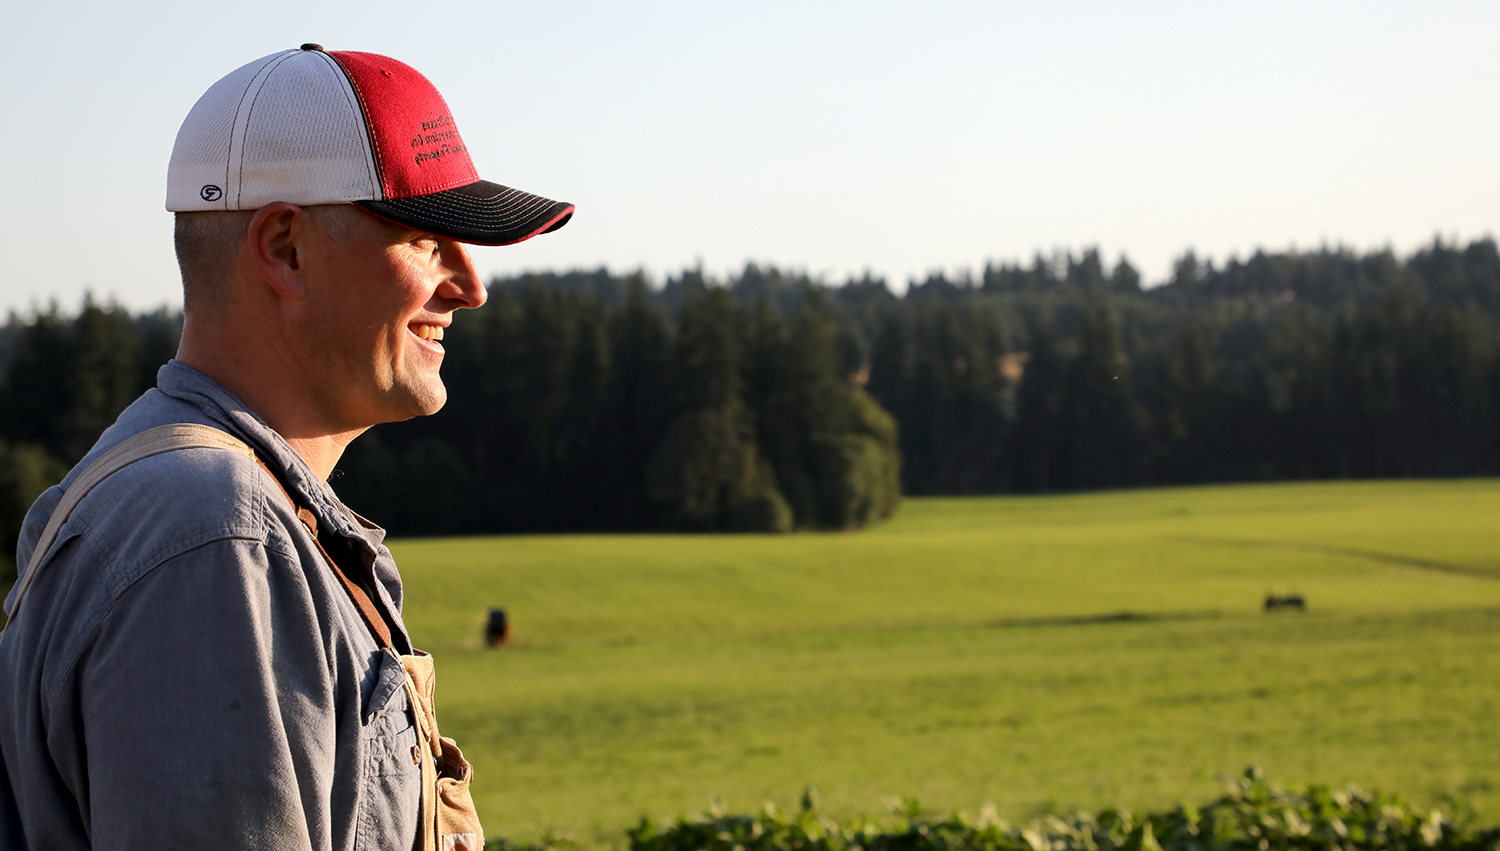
144,445
367,608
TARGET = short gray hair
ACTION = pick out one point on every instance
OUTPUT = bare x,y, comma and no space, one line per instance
208,241
206,244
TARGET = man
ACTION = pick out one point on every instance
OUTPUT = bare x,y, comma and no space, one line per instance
186,668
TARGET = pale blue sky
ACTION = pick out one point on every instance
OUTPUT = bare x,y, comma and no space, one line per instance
830,137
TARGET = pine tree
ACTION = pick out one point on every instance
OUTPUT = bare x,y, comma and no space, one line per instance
707,472
1033,450
1098,424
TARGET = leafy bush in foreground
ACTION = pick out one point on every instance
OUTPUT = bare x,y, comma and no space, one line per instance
1252,815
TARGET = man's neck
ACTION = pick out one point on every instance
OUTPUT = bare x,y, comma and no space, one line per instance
264,388
322,454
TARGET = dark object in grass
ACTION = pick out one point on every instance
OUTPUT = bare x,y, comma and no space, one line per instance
497,630
1291,601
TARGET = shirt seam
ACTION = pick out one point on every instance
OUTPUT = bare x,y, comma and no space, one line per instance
66,675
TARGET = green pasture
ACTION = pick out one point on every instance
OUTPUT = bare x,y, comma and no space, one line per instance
1042,653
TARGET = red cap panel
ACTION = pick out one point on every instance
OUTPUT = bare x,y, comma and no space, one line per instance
417,147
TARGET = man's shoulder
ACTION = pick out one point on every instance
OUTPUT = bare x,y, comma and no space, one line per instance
181,494
164,506
182,497
173,505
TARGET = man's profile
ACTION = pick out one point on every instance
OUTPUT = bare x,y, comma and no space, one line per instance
205,647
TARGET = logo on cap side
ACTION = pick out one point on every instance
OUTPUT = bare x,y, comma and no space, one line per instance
211,192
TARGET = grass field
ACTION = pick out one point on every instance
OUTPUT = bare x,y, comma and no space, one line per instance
1042,653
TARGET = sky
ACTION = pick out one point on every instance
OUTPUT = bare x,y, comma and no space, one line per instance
827,137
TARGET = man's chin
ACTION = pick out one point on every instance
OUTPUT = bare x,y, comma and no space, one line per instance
433,403
420,402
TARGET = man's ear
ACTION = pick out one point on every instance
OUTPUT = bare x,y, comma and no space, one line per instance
277,244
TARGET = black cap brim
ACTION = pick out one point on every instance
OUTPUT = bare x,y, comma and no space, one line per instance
481,213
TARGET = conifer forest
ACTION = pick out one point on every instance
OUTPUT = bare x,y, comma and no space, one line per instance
771,401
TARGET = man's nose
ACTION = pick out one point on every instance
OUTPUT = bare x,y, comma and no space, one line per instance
463,284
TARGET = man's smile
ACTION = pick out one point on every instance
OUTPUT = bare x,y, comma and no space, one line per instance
432,333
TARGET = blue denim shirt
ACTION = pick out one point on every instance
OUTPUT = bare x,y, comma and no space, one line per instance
187,672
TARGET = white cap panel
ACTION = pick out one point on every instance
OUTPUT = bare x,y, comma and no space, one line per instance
286,127
305,140
198,172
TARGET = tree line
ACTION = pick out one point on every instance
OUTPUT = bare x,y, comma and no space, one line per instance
568,411
1323,364
770,400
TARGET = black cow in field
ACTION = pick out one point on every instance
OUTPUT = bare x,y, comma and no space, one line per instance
497,630
1291,601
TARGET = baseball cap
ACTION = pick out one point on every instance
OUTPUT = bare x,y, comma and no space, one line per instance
314,126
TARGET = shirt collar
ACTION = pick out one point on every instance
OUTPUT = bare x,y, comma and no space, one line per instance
182,382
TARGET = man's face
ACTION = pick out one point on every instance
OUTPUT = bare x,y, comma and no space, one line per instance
379,296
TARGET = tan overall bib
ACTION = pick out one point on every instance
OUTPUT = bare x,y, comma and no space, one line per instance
448,822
